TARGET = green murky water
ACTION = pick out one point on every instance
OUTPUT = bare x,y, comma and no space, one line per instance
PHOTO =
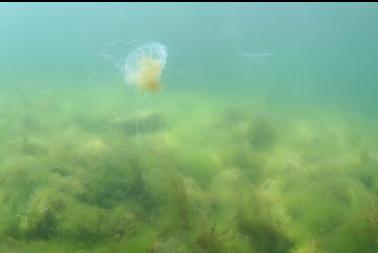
188,128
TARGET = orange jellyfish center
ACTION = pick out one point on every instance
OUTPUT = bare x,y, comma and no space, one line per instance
148,74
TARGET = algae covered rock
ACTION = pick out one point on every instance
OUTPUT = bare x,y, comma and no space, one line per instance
44,214
169,245
86,224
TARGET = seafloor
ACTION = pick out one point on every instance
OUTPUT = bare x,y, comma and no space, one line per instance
108,171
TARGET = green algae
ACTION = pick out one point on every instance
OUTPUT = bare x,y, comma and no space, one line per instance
220,179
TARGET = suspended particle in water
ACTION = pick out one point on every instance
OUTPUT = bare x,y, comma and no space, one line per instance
257,58
143,67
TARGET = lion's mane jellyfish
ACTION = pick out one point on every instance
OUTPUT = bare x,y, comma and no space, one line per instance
144,65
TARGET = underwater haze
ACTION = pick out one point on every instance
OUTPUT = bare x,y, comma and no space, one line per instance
188,127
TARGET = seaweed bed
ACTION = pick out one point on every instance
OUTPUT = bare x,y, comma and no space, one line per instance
111,174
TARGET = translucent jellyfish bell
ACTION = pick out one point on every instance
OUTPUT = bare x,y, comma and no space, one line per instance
144,65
